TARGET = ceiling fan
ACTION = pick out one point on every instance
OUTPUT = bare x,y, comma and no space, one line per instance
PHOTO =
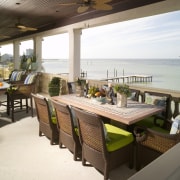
86,4
4,36
22,27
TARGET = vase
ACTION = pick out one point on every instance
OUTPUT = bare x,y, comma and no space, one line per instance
79,91
34,66
121,100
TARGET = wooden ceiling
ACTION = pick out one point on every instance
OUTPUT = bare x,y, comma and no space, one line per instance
49,14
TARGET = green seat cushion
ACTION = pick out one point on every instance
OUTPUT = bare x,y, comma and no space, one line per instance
117,138
149,122
159,129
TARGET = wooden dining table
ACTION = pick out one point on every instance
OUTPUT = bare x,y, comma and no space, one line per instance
134,112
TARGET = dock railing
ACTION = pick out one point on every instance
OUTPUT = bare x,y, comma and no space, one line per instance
130,78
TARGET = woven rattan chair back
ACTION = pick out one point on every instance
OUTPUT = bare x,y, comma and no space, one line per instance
160,142
64,118
91,130
43,113
46,126
67,130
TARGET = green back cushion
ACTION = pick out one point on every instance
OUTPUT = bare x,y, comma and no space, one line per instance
73,116
159,129
117,138
52,111
76,131
54,120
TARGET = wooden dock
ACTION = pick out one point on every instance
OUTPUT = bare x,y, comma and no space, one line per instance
130,78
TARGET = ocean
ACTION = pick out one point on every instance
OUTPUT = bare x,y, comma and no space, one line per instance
165,72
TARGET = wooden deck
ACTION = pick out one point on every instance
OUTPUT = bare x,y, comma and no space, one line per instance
130,78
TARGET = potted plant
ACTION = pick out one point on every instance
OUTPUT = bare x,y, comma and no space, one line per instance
23,62
54,86
123,92
28,62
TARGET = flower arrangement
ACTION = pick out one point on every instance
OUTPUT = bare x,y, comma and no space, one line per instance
122,89
92,91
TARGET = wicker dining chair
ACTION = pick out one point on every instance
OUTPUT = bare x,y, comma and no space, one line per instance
104,146
151,143
47,122
15,77
68,131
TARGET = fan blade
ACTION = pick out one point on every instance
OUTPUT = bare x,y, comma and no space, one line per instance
31,29
4,36
102,1
20,26
24,29
12,27
67,4
82,9
105,7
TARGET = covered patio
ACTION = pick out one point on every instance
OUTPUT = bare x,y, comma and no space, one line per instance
25,155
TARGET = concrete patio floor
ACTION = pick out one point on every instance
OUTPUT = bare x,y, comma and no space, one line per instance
26,156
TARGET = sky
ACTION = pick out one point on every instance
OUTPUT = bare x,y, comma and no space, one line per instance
150,37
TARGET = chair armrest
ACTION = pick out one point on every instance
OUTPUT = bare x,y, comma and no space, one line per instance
16,82
156,140
25,89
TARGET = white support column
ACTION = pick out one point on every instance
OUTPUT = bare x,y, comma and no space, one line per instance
16,53
74,54
38,51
